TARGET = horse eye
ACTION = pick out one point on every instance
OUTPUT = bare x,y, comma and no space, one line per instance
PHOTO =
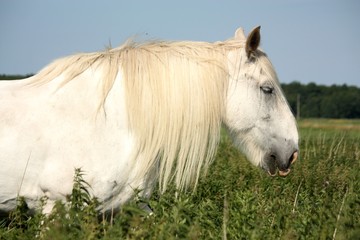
267,89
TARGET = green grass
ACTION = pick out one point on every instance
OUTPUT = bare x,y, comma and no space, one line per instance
318,200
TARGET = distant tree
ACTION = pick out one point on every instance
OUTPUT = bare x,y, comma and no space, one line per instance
324,101
291,91
14,77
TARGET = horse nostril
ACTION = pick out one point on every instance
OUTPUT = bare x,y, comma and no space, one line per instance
293,157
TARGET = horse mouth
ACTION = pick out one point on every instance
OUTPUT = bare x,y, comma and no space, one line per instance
282,173
275,166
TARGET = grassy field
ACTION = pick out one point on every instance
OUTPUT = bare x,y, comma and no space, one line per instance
320,199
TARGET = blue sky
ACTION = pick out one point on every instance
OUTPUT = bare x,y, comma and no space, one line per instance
308,41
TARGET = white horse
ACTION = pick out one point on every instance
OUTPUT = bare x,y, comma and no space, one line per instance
139,114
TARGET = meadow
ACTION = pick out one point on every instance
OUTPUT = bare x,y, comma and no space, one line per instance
319,199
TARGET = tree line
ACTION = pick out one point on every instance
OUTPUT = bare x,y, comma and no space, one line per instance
319,101
14,77
308,100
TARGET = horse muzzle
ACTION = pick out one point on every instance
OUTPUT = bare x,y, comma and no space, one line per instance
277,163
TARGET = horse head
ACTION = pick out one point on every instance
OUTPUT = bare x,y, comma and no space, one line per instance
257,113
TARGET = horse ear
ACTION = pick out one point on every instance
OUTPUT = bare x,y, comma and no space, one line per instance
252,41
239,34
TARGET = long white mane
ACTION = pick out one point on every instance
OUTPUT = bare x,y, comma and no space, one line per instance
175,94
